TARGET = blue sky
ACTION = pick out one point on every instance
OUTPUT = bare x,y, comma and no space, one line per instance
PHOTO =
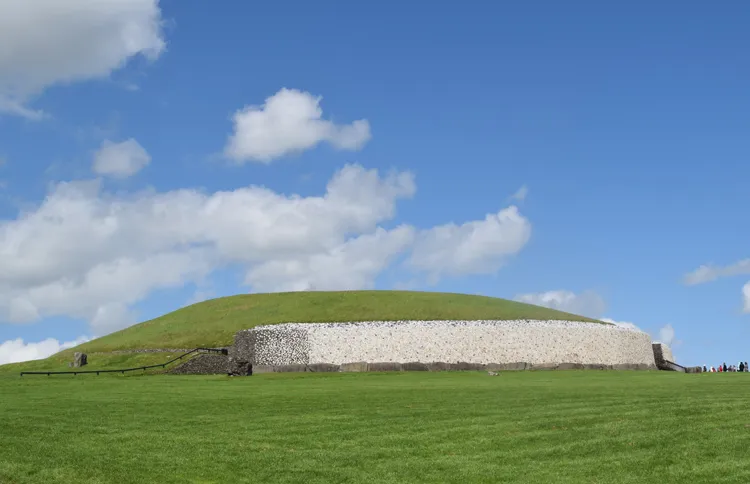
627,126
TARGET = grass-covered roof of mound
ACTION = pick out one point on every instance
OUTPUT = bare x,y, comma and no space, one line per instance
214,322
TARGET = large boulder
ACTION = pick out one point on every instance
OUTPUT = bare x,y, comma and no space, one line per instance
79,360
239,367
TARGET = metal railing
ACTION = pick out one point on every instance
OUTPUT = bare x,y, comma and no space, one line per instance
671,365
222,351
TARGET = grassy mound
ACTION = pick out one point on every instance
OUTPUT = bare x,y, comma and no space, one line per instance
214,322
100,361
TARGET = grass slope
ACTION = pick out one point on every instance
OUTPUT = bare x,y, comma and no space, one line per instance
525,427
214,322
98,361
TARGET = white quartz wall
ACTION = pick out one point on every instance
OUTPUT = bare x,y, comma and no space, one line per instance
529,341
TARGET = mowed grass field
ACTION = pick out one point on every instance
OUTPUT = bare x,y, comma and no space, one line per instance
462,427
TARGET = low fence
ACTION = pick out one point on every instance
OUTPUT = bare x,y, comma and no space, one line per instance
222,351
672,366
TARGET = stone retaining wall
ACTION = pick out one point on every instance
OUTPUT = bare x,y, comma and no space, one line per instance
662,354
205,364
473,344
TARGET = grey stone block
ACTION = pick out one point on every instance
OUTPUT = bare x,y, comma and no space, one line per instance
438,366
289,368
505,366
385,366
258,369
570,366
465,366
322,367
357,366
415,366
544,366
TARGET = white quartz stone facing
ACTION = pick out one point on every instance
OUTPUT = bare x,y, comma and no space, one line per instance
530,341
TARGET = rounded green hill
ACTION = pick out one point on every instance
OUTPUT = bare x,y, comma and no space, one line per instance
213,323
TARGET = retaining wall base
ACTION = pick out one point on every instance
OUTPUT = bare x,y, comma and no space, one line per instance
389,366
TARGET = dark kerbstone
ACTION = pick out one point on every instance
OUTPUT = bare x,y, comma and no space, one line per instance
415,366
356,366
544,366
465,366
505,366
79,360
322,367
385,366
438,366
258,369
597,366
289,368
239,367
570,366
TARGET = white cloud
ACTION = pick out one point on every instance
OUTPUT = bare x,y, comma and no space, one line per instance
353,264
709,273
666,335
476,247
289,122
89,254
16,351
587,303
120,160
622,324
520,194
49,42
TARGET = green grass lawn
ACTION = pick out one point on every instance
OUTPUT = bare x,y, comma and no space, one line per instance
214,322
524,427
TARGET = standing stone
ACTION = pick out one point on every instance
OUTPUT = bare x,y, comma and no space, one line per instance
239,367
79,360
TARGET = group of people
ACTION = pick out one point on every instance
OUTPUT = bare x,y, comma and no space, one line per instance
724,368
